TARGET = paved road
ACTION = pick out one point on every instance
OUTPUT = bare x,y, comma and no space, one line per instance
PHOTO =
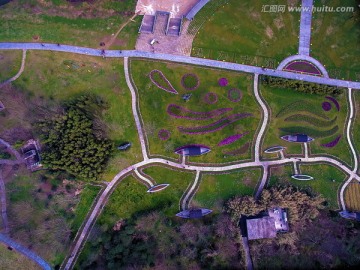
3,205
190,194
305,27
26,252
182,60
19,72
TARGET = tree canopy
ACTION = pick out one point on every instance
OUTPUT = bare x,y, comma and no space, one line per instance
71,140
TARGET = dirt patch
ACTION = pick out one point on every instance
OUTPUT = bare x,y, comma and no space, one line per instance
329,30
279,23
269,32
255,15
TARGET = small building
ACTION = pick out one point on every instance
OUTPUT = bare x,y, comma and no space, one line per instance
194,213
268,224
350,215
299,138
31,155
192,150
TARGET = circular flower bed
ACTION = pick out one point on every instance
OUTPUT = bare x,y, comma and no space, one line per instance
164,134
210,98
190,81
234,95
223,82
326,106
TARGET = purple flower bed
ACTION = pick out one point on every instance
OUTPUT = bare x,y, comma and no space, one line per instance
242,150
337,105
223,82
177,111
326,106
304,67
232,139
220,124
210,98
159,79
163,134
332,143
234,95
190,81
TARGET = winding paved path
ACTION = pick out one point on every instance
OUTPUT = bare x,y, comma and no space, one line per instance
190,194
26,252
182,60
19,72
3,205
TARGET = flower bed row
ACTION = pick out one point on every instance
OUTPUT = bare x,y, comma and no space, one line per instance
336,103
310,120
177,111
210,98
303,66
234,95
163,134
159,79
310,131
220,124
302,106
190,81
240,151
332,143
231,139
326,106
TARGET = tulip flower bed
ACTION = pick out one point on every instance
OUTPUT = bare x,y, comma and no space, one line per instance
234,95
223,82
159,79
232,139
336,103
310,120
210,98
240,151
164,134
332,143
177,111
310,131
326,106
302,106
304,67
218,125
190,81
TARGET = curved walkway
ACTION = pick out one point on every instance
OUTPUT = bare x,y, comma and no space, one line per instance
348,135
11,149
310,59
3,205
199,5
26,252
190,194
182,60
19,72
148,181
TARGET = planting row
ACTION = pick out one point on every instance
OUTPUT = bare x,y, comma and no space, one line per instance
310,131
159,79
302,106
177,111
240,151
314,121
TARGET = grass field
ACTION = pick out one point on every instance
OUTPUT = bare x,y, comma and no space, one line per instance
154,102
240,32
335,39
11,260
56,77
83,25
278,99
327,180
215,189
352,196
10,62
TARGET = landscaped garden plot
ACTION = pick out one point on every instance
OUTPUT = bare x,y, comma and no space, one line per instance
60,76
208,117
12,260
352,196
10,62
299,113
335,39
240,32
215,189
327,180
36,22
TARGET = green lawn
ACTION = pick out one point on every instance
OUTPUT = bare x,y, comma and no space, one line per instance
278,99
87,198
56,77
335,39
327,180
215,189
10,62
154,102
130,197
12,260
240,32
23,21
